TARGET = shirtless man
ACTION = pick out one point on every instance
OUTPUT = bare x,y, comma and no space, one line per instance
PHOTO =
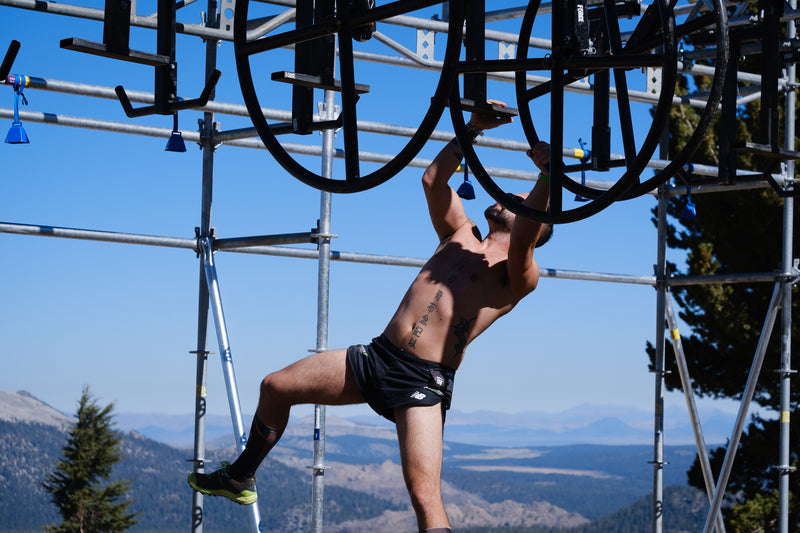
407,373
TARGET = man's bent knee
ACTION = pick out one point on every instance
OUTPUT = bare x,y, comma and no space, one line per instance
270,387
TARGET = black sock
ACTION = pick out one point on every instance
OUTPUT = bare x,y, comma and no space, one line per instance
436,530
261,440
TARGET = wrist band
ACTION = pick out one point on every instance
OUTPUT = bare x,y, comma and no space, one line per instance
474,131
544,178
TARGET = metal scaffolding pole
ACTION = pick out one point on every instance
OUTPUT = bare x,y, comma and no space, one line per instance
323,276
226,359
201,352
789,269
243,138
744,407
686,383
356,257
199,446
658,364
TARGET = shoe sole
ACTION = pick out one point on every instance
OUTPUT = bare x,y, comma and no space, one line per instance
246,497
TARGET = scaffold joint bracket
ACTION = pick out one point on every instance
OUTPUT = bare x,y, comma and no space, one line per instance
792,276
198,247
317,237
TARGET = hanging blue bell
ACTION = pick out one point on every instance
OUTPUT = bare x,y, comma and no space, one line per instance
17,134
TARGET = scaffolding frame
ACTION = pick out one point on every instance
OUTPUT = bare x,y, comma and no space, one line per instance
205,245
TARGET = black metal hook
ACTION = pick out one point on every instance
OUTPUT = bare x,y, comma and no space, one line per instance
115,45
8,60
169,106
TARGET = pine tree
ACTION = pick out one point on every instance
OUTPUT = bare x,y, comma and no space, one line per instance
79,486
733,232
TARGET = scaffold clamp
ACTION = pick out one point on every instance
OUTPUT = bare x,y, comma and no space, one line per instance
198,463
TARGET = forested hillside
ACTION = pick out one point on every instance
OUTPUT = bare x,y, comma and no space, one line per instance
159,490
485,487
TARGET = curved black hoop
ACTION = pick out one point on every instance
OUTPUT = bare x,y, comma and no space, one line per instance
343,25
619,59
719,19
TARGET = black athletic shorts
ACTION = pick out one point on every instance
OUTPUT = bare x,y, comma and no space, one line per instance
389,377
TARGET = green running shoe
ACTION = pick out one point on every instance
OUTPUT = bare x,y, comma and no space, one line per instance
219,483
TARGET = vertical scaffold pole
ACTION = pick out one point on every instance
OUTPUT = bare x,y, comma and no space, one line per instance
201,352
199,451
784,466
658,363
202,325
324,244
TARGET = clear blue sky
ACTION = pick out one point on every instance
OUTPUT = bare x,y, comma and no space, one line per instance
122,318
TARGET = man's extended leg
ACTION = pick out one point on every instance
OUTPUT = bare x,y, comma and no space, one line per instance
323,378
419,432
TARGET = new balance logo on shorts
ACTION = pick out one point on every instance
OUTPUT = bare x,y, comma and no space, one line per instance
418,395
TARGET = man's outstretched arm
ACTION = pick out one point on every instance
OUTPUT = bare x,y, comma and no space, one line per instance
523,269
444,205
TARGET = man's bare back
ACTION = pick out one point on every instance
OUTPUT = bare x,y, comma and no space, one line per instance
464,274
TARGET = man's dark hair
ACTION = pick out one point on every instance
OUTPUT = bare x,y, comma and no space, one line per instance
544,236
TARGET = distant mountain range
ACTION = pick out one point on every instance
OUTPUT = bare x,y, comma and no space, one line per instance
580,488
588,424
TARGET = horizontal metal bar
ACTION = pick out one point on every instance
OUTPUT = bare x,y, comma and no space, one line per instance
642,97
544,272
255,143
439,135
705,70
272,23
93,235
432,25
142,97
245,242
680,281
400,20
147,98
250,245
348,257
596,276
95,124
